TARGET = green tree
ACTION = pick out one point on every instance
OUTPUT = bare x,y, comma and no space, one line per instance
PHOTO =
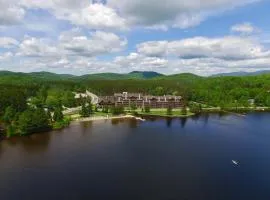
147,109
33,121
58,114
84,111
184,110
90,108
9,115
43,94
133,107
105,109
169,110
117,110
68,99
159,91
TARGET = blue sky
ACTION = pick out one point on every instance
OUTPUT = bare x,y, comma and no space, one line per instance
199,36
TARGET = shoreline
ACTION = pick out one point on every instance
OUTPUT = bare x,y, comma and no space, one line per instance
100,118
139,118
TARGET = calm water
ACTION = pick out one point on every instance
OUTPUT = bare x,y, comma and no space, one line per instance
162,159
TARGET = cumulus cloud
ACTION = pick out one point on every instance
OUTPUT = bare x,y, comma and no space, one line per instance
7,42
177,13
228,48
97,43
36,47
5,56
95,15
245,28
139,62
119,14
11,12
72,43
153,48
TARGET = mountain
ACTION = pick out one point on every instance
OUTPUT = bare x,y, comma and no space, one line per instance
6,76
49,75
183,76
145,74
243,73
115,76
19,77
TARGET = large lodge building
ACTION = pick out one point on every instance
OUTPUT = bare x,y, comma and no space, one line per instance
127,99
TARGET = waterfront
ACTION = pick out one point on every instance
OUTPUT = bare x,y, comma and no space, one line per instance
189,158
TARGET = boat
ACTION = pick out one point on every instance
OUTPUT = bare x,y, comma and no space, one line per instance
140,119
235,162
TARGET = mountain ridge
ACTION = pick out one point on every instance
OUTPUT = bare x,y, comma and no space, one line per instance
134,75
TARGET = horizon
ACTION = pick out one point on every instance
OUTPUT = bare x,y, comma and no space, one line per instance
113,36
234,73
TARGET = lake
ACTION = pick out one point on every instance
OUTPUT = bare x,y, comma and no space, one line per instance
156,159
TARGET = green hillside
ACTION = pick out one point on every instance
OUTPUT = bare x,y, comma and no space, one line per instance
116,76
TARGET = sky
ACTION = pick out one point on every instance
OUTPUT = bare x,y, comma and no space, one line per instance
203,37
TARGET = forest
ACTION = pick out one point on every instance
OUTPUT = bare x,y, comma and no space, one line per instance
27,100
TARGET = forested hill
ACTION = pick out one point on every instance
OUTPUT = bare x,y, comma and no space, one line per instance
6,76
214,91
47,76
243,73
116,76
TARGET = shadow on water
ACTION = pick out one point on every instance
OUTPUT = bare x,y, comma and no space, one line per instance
183,122
196,117
85,126
133,123
34,144
169,122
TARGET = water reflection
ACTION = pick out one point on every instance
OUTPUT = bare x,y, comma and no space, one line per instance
85,126
33,144
205,118
183,121
196,117
169,122
133,123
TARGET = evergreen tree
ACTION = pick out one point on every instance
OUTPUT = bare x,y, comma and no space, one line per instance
184,110
84,111
147,109
169,110
90,108
33,121
133,107
58,114
9,115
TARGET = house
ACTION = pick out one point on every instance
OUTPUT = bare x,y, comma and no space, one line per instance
139,100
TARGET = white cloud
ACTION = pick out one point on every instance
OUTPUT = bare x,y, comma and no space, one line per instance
83,12
231,48
176,13
72,43
153,48
96,44
11,12
245,28
120,14
35,47
188,20
96,16
5,56
136,61
7,42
